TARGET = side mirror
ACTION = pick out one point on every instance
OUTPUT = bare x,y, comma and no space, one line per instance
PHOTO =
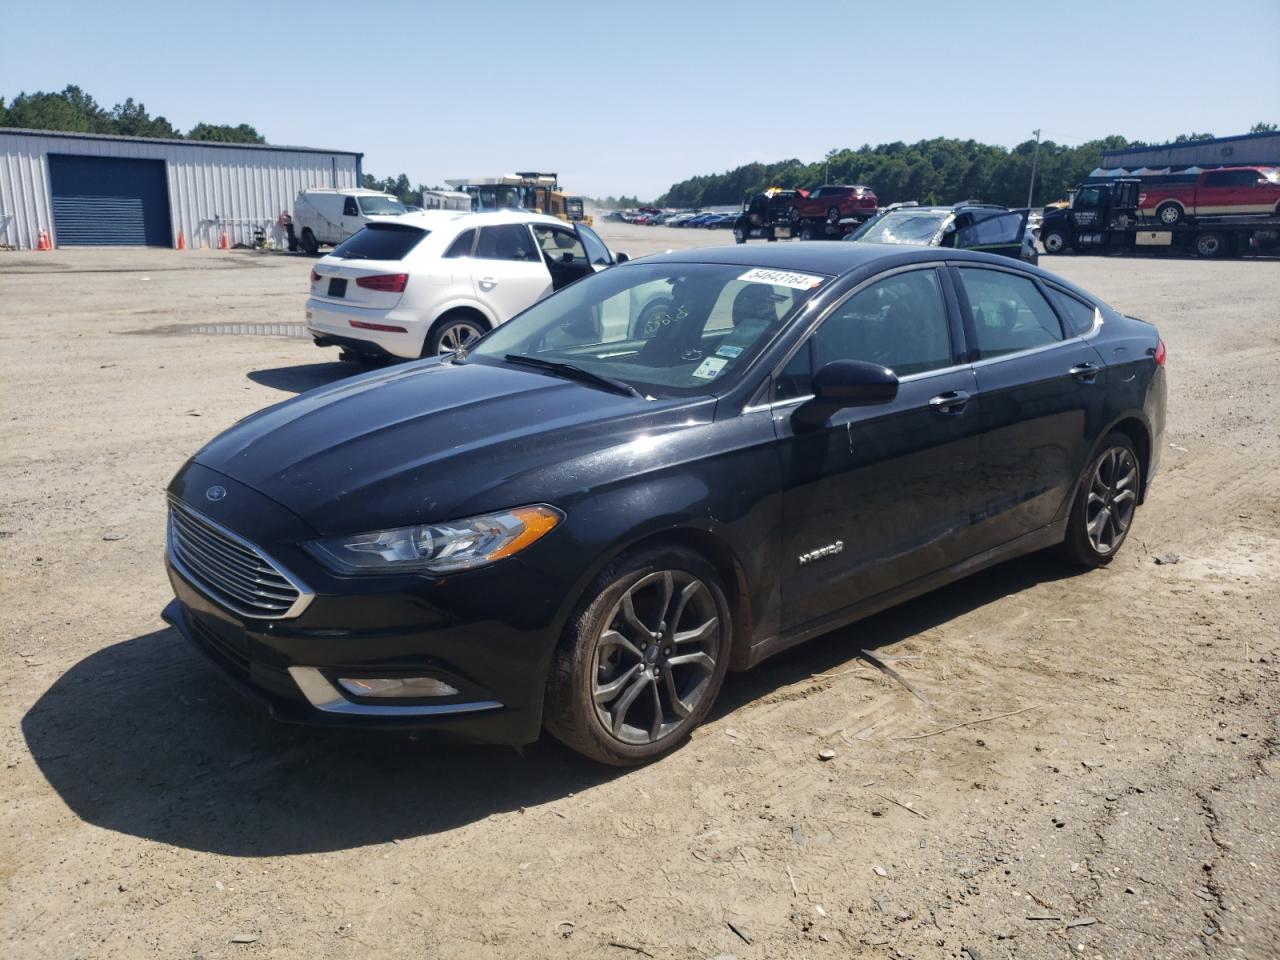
620,258
845,383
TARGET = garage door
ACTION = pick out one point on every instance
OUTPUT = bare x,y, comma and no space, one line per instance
109,200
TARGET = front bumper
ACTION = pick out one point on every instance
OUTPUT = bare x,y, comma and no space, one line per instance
495,655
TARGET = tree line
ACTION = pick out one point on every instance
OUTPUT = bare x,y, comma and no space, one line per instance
931,171
74,110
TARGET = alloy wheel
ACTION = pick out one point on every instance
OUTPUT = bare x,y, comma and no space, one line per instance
456,336
656,657
1113,495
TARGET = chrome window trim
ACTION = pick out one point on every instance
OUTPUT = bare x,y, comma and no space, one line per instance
324,696
305,593
909,378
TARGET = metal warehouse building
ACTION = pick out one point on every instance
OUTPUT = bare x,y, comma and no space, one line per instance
1245,150
89,189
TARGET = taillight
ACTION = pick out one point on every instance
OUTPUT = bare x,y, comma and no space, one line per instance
1160,353
315,277
384,282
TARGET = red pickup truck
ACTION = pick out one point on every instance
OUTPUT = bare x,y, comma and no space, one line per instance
834,202
1228,190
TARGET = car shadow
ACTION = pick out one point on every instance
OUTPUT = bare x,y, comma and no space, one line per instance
308,376
143,738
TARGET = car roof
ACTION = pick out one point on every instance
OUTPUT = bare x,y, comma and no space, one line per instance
818,256
492,217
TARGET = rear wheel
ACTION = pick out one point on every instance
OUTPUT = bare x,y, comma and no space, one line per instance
310,245
1211,244
833,215
794,215
451,333
641,663
1055,241
1104,508
738,235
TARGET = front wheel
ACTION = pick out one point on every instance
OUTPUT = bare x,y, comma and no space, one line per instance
833,215
738,236
1055,241
641,662
1169,214
1211,244
1105,504
794,215
310,245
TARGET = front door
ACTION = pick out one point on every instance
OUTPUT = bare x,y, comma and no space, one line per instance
879,495
507,269
352,221
1042,394
562,251
993,231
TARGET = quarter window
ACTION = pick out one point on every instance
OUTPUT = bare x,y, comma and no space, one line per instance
899,322
1009,314
461,247
506,241
1078,315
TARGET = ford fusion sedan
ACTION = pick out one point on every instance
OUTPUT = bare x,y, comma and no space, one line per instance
671,469
429,283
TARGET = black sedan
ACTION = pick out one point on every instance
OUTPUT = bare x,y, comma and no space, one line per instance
668,470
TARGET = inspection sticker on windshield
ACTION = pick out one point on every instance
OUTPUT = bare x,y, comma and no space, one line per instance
709,368
728,350
782,278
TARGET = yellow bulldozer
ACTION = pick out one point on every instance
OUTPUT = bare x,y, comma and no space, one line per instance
529,190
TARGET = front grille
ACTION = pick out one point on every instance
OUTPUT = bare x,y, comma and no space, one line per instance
230,570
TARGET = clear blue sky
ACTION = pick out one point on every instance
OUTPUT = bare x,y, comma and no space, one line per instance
630,96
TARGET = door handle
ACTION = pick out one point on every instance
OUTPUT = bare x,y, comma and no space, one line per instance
1084,372
953,401
488,283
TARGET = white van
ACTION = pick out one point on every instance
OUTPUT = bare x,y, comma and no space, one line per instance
324,215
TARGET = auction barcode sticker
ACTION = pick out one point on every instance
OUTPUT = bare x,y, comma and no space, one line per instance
782,278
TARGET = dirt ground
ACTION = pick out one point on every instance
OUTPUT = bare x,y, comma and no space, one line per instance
1114,793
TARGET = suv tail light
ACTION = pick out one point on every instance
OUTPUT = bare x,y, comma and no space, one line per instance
384,282
1160,353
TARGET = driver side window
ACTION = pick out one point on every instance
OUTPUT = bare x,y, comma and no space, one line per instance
556,242
899,322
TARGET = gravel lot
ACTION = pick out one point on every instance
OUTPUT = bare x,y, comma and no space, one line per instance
1125,805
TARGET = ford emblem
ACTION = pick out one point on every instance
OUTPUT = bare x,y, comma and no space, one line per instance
215,493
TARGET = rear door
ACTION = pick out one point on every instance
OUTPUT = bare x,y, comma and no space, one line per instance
1042,391
507,269
1215,194
879,495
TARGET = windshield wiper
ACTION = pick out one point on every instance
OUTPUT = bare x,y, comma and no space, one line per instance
570,372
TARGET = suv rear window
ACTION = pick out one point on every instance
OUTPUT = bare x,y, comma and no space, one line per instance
380,241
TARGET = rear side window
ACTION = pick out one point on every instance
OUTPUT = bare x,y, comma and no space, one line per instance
461,247
506,241
997,231
380,241
1079,316
349,208
1009,314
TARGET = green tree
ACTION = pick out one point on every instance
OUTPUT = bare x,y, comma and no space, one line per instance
1256,128
225,133
71,109
132,120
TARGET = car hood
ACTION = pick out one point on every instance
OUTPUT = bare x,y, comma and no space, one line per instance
434,441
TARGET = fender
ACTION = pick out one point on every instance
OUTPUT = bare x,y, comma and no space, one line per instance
1129,415
469,304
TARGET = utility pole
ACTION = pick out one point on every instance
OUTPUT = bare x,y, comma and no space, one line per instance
1035,159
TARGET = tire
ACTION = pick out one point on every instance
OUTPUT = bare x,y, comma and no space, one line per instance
1170,214
1111,486
1211,244
808,234
1055,241
310,245
794,215
738,237
615,692
833,215
452,331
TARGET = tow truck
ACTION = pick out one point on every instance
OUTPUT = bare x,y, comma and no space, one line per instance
1105,214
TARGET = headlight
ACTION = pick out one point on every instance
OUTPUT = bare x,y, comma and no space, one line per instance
438,548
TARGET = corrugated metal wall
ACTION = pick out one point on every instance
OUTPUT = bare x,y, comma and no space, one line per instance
211,188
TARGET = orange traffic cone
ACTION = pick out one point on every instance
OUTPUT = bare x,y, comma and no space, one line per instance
43,242
182,241
222,241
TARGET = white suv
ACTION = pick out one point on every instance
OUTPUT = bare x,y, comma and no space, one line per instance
428,283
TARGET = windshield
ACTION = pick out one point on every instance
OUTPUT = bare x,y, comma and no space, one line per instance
668,330
381,207
495,198
915,227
